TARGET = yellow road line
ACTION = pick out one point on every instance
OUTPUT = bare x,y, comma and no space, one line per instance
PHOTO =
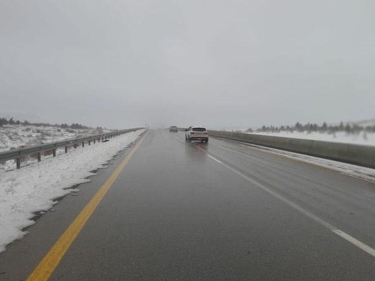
51,260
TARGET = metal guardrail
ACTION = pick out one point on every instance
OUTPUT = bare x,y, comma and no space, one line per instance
18,154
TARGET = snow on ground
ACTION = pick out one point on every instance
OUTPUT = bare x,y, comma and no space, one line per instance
16,136
33,188
342,137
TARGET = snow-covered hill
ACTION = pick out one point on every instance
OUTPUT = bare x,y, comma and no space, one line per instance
17,136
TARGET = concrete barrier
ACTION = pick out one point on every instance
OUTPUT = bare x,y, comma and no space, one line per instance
361,155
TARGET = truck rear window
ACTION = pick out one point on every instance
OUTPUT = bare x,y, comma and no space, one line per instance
199,129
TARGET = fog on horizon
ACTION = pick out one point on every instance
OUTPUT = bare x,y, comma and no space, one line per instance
233,64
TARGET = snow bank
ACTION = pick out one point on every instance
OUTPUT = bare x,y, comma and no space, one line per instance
34,188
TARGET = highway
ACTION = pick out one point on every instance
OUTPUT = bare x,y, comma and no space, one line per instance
216,211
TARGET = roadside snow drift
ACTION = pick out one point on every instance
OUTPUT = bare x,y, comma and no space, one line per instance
34,188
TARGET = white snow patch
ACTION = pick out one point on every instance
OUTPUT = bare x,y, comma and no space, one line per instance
34,188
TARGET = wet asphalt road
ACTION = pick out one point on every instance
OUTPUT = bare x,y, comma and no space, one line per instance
190,211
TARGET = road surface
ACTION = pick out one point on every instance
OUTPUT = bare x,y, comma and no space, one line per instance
221,211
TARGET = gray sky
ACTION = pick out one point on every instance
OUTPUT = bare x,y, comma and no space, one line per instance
219,63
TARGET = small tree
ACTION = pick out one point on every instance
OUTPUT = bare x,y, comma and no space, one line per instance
298,126
324,127
341,127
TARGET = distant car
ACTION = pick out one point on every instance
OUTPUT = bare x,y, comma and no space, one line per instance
196,133
173,129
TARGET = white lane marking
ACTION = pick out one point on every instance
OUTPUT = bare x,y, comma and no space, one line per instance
213,158
355,242
322,222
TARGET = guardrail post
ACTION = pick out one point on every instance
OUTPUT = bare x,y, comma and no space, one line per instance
39,156
54,152
89,142
94,141
66,149
18,161
83,144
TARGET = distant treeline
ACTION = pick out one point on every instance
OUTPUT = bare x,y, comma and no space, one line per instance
324,128
12,121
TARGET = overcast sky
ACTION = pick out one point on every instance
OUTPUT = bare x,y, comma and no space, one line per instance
219,63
